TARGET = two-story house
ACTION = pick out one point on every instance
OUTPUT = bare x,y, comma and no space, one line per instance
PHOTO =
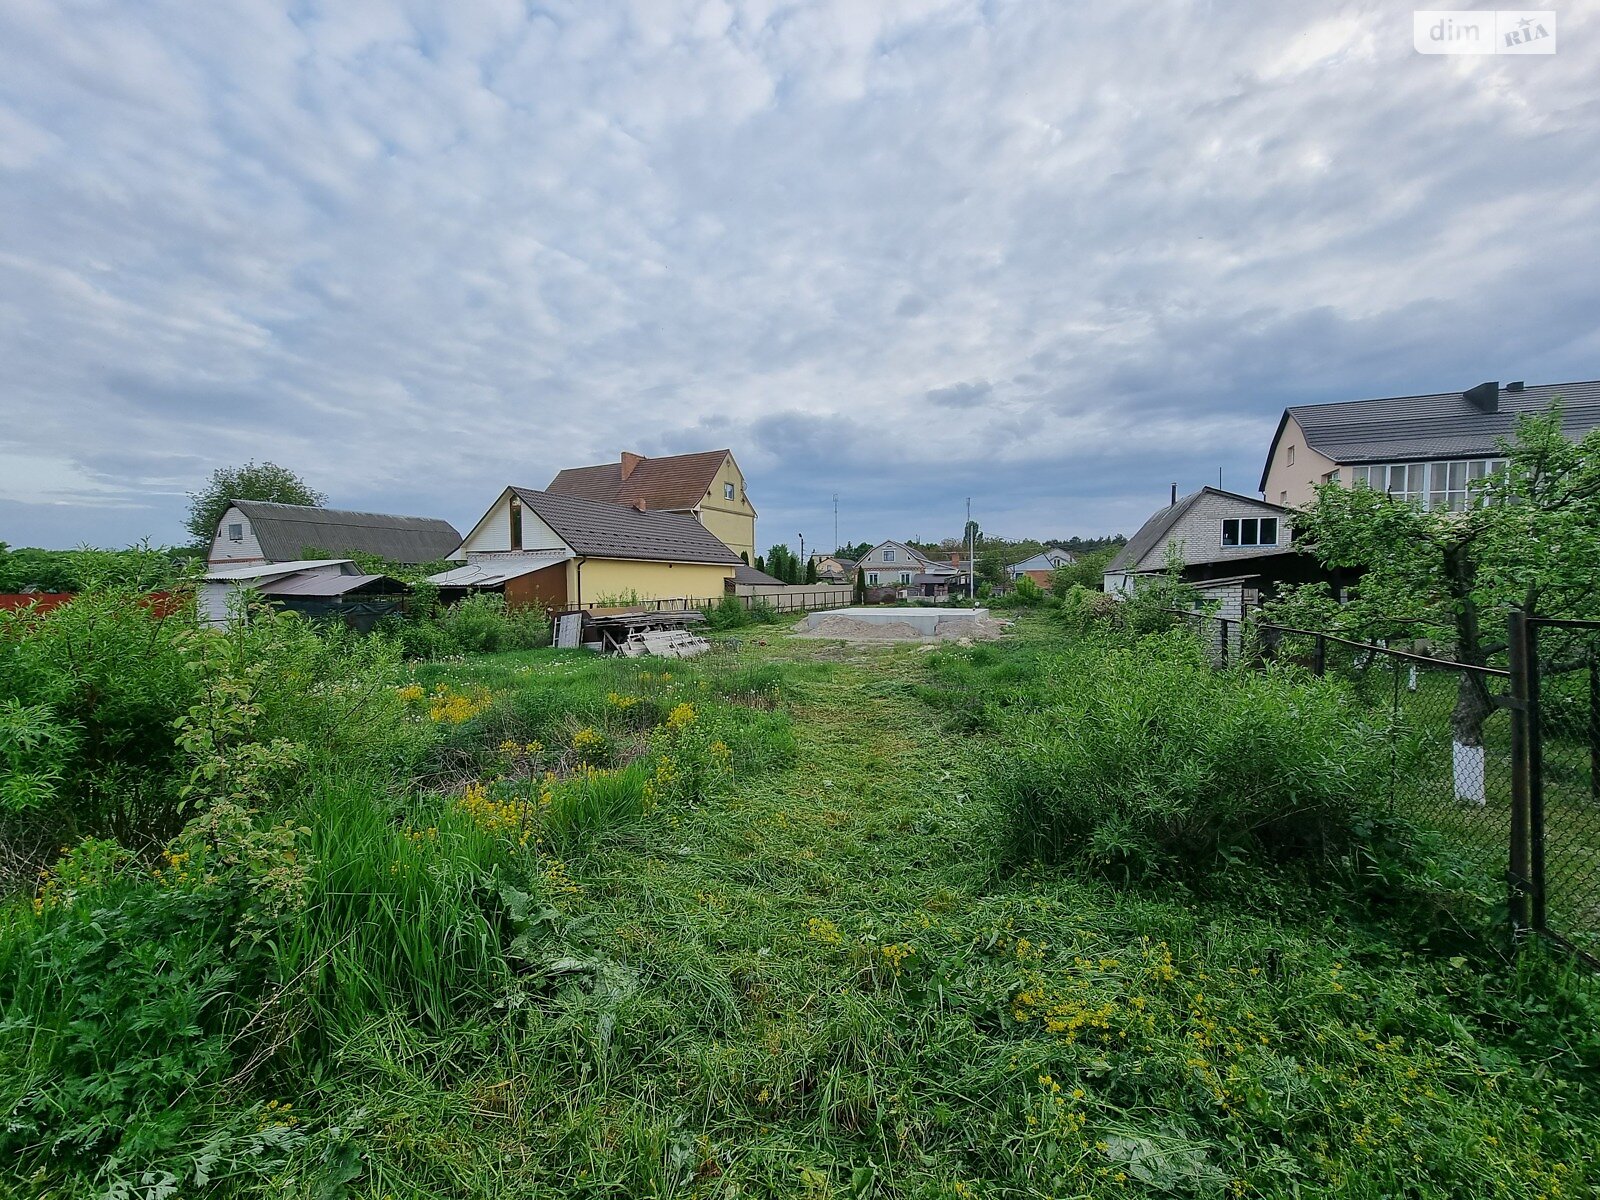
1425,449
1233,548
707,486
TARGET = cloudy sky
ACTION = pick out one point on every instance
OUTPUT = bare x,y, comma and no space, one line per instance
1052,256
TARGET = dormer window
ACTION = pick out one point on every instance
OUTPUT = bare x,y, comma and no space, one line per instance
727,491
235,532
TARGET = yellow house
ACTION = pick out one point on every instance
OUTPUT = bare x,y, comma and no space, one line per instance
563,552
707,486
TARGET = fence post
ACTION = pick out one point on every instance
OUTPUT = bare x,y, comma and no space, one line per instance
1320,662
1535,778
1594,724
1223,655
1519,868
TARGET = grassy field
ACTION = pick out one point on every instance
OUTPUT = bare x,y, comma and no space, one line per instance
823,980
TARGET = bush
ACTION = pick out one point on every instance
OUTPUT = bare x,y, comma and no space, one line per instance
1154,764
481,624
727,613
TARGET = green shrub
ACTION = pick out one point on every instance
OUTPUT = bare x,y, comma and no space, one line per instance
762,612
1153,763
727,613
481,624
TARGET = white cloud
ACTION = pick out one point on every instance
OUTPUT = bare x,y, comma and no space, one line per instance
417,251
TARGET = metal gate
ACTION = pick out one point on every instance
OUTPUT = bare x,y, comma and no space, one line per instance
1556,850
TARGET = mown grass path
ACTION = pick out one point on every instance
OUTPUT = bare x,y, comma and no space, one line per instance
824,983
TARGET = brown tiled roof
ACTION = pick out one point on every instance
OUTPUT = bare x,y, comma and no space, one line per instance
596,529
679,481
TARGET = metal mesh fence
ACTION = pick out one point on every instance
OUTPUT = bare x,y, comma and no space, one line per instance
1564,796
1504,761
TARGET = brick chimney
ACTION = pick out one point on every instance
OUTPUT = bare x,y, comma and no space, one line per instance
955,559
629,462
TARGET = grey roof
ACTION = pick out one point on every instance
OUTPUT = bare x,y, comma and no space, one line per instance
744,574
1159,525
597,529
312,584
1442,425
286,530
278,569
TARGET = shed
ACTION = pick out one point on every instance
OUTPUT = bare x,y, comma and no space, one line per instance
319,588
260,531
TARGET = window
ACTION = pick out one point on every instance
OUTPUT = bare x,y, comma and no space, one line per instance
516,524
872,578
1332,476
1439,486
727,491
905,576
1289,456
236,532
888,556
1250,531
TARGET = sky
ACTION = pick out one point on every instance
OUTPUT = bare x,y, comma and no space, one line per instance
1054,257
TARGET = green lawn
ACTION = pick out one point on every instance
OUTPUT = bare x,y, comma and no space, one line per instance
821,984
821,979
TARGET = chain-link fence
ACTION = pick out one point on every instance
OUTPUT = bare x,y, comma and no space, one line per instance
1564,791
1503,760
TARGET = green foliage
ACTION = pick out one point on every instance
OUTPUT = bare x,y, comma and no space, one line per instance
1155,764
782,563
252,481
479,623
727,613
859,595
1087,570
140,568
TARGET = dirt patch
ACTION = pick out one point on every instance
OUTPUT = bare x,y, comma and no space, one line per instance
841,628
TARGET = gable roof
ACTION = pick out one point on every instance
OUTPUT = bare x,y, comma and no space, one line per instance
676,482
1440,425
596,529
916,556
285,530
1153,531
1047,559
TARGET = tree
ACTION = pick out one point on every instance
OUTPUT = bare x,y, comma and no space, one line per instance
1088,570
253,481
860,596
855,551
811,571
1529,538
971,535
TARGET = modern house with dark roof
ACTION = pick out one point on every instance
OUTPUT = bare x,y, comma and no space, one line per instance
259,531
1235,546
1421,448
564,551
707,486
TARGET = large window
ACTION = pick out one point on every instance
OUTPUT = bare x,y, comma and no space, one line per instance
1250,531
888,556
1438,485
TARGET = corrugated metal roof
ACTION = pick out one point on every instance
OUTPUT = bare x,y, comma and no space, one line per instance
678,481
286,530
265,570
597,529
1440,425
313,584
492,572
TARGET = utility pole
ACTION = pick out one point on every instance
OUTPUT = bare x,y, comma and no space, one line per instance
802,557
972,555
